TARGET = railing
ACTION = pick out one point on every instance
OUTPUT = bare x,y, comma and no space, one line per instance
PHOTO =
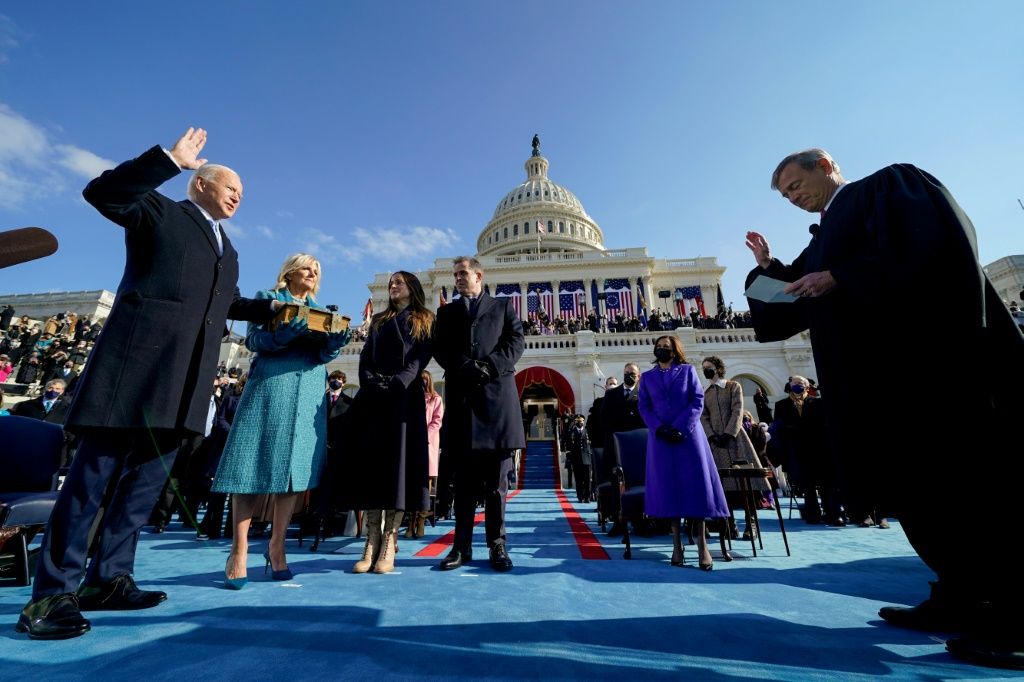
550,342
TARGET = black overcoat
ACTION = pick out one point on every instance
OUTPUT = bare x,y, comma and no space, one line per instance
154,360
386,465
476,417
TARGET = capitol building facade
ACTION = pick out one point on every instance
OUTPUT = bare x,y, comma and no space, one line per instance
542,249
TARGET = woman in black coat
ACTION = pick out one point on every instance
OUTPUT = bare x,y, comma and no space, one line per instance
388,469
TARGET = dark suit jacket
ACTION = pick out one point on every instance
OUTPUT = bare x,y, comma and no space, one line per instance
484,417
35,409
153,362
620,413
336,419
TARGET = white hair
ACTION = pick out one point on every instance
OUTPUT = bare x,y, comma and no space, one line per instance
208,171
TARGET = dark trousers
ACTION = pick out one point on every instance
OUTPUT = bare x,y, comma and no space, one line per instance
120,471
182,491
481,474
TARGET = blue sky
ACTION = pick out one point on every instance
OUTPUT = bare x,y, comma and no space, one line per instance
382,135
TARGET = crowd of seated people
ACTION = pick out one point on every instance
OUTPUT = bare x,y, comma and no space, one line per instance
540,324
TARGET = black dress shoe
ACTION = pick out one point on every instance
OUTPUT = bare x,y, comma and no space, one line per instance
926,616
158,528
994,651
54,617
615,530
455,559
120,594
500,560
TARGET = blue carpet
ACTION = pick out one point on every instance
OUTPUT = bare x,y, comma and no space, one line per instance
811,616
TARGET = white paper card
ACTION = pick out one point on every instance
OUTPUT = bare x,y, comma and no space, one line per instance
768,290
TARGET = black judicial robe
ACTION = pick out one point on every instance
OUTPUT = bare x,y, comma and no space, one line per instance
894,241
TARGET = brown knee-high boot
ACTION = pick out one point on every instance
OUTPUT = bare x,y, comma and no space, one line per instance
386,560
373,542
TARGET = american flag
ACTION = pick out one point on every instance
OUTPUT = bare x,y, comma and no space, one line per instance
691,298
511,291
618,297
540,230
540,296
368,309
572,299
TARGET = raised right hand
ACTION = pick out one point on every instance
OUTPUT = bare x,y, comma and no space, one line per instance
185,151
759,247
286,333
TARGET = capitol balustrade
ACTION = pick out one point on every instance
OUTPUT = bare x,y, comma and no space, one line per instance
545,344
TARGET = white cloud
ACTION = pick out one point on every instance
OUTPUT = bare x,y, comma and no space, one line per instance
237,231
33,166
7,39
82,161
399,246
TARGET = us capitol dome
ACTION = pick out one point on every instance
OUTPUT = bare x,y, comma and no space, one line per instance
538,201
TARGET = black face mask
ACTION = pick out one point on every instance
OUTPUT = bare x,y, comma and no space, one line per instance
709,373
797,389
334,384
629,379
663,354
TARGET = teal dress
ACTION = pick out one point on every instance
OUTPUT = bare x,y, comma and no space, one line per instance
278,440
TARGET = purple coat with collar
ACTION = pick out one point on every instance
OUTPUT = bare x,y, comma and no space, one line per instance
682,478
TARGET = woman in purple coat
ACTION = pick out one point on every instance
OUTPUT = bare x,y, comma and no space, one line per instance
682,478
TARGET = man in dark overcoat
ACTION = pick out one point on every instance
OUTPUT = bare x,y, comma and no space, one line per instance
478,340
878,240
146,385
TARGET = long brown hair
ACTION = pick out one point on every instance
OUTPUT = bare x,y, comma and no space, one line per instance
421,319
428,386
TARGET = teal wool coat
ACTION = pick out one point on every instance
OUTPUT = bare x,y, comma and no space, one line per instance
278,440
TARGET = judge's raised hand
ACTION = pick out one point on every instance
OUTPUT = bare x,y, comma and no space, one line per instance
185,151
759,246
812,285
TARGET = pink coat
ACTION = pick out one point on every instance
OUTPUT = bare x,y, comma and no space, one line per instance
435,412
5,371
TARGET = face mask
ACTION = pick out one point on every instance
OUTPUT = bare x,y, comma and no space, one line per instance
334,384
629,379
746,424
797,390
51,395
663,354
709,373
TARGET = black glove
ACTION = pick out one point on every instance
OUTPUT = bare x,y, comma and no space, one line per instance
379,382
669,434
477,372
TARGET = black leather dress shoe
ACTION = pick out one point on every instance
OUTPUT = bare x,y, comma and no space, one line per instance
615,531
500,560
994,651
55,617
926,616
455,559
120,594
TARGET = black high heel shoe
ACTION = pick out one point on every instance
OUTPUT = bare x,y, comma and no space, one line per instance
285,574
681,561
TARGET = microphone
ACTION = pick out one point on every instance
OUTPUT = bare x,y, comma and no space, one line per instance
813,229
25,244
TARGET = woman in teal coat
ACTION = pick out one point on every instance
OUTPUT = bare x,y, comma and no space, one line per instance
278,440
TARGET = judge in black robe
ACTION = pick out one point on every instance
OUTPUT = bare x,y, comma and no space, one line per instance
880,241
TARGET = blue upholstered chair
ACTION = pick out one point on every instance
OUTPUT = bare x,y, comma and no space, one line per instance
629,448
30,457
